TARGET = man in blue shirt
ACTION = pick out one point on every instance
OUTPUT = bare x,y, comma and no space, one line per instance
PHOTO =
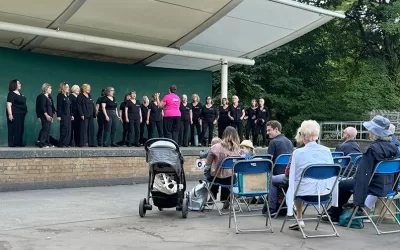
349,145
279,145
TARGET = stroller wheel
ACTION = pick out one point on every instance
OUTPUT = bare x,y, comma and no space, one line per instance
160,209
185,207
142,209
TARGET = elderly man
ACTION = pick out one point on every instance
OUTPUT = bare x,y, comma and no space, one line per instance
349,145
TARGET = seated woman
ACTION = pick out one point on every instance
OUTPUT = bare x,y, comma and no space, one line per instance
228,147
311,153
365,195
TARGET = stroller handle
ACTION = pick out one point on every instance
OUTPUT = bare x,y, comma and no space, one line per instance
151,141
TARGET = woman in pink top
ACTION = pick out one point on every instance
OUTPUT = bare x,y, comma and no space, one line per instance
230,146
172,114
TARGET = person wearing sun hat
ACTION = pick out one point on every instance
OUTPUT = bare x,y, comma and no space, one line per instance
247,149
381,148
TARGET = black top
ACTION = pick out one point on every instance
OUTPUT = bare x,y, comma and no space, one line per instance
144,110
251,113
74,105
133,109
63,106
236,112
262,114
223,114
279,145
208,114
185,111
196,111
86,106
100,113
155,112
122,108
18,103
45,105
110,104
39,112
348,147
380,184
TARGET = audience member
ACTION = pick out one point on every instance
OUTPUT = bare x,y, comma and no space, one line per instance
349,145
279,144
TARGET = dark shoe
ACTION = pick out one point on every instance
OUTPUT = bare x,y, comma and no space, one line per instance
61,146
226,205
114,145
106,146
93,146
137,145
129,145
333,219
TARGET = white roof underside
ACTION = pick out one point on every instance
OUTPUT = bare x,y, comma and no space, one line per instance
239,28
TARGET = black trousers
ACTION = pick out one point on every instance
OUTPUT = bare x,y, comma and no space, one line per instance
125,131
110,128
239,127
45,131
183,132
251,130
261,129
222,126
156,125
345,193
171,127
133,131
206,125
196,124
75,131
225,192
87,132
100,129
142,126
65,131
16,130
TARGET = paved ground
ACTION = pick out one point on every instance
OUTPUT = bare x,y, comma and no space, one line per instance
107,218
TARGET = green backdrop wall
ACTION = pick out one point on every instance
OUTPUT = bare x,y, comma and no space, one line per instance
34,69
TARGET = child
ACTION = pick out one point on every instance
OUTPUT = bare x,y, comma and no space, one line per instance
247,149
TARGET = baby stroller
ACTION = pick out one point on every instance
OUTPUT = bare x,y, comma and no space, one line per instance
167,183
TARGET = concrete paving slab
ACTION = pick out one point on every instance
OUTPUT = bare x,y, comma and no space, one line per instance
107,218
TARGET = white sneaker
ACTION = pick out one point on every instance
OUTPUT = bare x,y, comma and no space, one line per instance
296,226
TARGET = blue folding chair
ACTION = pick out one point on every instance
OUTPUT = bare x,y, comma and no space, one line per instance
262,156
227,163
318,172
282,159
253,179
354,156
337,154
353,167
344,162
387,167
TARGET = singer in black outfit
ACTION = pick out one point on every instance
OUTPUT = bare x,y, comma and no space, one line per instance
236,114
154,118
208,117
87,114
144,107
64,115
125,124
186,120
16,112
39,114
223,118
134,118
110,109
251,114
262,119
101,119
75,126
196,112
45,110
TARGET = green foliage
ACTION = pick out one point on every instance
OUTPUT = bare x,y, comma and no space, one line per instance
339,72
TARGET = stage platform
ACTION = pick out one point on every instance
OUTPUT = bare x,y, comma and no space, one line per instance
43,168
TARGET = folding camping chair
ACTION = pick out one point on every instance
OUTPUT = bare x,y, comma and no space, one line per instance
282,159
227,163
262,156
319,172
337,154
344,162
387,167
354,156
353,167
253,179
